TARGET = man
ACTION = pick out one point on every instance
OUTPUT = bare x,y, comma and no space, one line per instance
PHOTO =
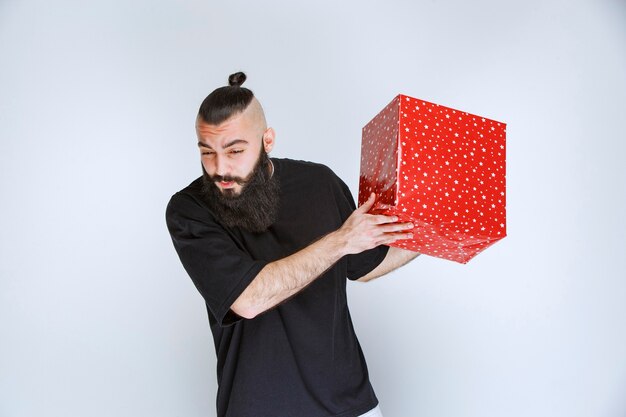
269,244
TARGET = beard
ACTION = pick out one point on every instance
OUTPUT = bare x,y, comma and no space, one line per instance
254,209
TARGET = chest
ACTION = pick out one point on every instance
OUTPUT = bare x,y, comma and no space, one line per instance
307,211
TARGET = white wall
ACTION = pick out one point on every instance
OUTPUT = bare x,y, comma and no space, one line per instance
97,103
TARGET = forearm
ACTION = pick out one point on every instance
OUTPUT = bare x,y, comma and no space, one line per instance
285,277
282,279
395,258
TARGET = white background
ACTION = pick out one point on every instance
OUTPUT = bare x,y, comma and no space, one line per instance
97,105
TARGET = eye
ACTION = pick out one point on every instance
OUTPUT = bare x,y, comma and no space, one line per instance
236,151
208,153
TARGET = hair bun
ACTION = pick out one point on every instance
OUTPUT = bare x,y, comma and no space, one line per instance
236,79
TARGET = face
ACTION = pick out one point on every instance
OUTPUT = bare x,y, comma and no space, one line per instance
230,151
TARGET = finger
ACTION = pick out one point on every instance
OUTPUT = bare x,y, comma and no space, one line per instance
368,204
393,237
395,227
381,218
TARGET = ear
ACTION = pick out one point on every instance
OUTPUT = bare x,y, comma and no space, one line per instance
268,139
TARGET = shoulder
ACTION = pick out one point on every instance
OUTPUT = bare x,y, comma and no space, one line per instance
191,191
189,199
304,168
315,180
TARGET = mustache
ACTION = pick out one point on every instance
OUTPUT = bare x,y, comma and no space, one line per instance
227,178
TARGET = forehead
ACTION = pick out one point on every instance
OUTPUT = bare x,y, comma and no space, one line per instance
235,124
235,129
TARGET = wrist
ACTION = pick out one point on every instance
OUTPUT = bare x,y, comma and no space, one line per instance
337,244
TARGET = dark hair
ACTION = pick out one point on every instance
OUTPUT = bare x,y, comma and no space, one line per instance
225,102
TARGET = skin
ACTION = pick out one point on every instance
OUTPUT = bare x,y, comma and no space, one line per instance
231,149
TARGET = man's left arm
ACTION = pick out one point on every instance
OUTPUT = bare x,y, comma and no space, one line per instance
394,259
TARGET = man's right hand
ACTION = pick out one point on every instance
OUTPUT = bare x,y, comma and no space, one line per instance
363,231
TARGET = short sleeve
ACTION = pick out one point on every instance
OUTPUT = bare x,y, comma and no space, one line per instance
363,263
219,268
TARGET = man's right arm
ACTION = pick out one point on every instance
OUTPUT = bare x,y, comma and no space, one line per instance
281,279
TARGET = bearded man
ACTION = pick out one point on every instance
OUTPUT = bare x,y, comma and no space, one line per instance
269,244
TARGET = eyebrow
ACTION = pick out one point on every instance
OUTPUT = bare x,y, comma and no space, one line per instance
226,145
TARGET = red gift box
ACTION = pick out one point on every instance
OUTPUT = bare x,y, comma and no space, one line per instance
441,169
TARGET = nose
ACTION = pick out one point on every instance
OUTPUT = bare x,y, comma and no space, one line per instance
221,166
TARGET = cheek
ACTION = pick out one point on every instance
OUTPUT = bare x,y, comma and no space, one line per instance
209,167
245,166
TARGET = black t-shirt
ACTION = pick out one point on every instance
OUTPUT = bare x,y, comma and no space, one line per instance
301,358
